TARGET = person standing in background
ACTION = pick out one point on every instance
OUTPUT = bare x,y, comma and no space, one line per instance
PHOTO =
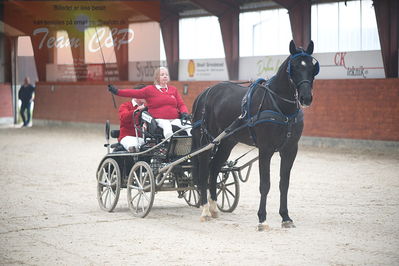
26,95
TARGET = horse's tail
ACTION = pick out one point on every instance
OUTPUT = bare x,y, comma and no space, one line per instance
198,114
196,135
202,95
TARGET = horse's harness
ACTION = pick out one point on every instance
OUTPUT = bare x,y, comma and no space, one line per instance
246,120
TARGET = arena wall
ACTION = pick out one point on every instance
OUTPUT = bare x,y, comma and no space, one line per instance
354,109
5,100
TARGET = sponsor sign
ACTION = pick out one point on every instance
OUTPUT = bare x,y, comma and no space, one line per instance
340,65
251,68
203,69
351,65
91,72
144,70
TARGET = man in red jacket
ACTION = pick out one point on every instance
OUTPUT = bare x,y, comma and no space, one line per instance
128,135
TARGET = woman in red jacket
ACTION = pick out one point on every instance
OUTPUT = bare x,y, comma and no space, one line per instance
164,102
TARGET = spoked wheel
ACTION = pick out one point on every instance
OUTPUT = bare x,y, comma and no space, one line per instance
228,191
108,185
192,197
140,189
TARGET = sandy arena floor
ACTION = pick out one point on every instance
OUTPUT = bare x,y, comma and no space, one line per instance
343,202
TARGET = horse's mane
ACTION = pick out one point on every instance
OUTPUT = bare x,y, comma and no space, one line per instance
283,67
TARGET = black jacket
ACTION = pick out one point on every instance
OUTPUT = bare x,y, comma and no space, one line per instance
25,93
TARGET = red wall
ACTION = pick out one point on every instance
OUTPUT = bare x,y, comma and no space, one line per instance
91,102
5,100
357,109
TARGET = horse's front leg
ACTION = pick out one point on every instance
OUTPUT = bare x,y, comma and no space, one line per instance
287,160
264,186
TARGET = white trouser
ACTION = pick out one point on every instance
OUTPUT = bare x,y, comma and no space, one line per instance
131,141
166,125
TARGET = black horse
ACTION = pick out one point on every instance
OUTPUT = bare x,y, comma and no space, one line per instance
268,115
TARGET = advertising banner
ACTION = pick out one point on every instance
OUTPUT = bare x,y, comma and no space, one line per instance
92,72
76,37
351,65
144,70
340,65
203,69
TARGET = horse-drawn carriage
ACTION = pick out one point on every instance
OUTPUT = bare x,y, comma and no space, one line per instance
267,114
159,165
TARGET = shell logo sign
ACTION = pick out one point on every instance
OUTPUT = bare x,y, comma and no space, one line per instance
191,68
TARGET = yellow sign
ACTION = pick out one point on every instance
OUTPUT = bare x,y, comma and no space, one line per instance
191,68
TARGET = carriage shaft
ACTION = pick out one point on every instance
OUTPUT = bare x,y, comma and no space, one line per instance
168,168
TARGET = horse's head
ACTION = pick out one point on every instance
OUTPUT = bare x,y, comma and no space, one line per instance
302,68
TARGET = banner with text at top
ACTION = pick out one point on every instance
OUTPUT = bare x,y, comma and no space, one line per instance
84,40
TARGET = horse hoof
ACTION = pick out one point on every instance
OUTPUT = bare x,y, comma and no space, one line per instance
288,224
215,214
205,218
263,227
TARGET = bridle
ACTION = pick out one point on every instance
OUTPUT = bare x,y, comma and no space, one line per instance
272,94
296,86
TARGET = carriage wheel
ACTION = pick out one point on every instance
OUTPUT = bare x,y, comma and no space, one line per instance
228,191
140,189
192,197
108,185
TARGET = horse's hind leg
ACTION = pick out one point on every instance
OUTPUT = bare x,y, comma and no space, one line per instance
200,173
203,172
219,159
287,160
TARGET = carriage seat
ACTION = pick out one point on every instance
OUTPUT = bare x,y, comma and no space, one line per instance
155,134
154,130
115,133
116,146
